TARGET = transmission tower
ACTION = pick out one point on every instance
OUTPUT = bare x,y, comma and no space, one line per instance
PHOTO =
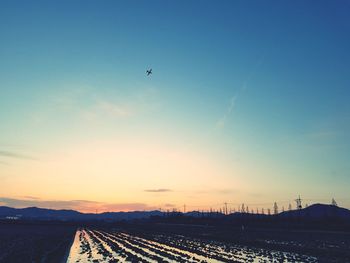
275,208
298,201
334,202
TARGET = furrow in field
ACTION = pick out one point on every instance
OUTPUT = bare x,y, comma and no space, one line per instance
96,250
80,250
166,255
190,256
134,251
231,253
107,252
171,254
145,249
214,252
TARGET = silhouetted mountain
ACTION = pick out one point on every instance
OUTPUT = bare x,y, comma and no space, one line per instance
204,214
318,211
52,214
245,215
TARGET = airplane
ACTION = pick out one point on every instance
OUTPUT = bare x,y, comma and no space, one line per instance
149,72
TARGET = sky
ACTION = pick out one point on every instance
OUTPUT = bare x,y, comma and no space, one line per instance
248,103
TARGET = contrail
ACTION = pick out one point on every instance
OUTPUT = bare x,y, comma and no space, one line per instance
16,155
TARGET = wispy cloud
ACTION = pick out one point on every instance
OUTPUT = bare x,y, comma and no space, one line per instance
161,190
16,155
222,121
30,197
220,124
79,205
104,108
28,202
113,109
93,104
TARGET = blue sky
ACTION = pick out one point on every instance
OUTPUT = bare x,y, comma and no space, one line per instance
260,89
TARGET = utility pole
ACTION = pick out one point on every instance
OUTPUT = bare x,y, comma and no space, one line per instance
225,208
184,208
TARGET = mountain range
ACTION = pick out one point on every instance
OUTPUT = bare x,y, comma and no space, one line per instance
316,211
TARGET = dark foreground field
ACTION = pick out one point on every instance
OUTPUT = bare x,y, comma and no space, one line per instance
150,242
168,242
322,245
28,242
92,245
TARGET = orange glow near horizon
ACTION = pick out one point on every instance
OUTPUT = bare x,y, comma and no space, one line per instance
121,176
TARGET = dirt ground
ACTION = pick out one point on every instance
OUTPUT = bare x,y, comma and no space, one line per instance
34,242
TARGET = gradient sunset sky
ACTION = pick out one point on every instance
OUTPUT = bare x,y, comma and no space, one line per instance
248,103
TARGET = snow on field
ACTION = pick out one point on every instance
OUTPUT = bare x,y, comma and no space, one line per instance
101,246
